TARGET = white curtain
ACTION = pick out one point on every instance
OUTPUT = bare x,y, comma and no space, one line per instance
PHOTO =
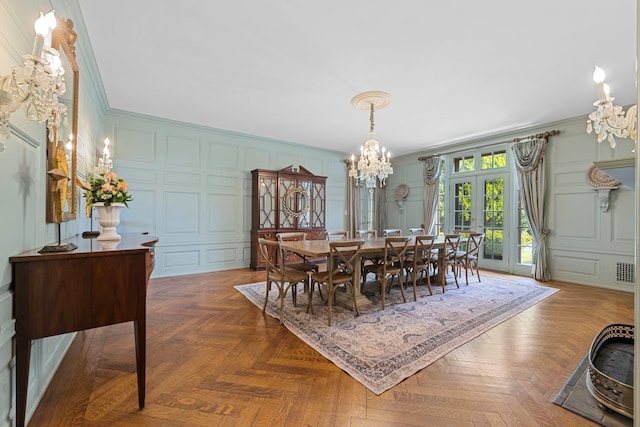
353,204
432,167
529,159
380,208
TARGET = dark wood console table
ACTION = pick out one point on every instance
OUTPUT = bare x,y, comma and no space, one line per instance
92,286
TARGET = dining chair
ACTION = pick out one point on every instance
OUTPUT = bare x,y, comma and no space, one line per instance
371,259
391,265
448,258
391,232
293,260
416,231
421,260
468,259
366,234
336,235
341,264
283,277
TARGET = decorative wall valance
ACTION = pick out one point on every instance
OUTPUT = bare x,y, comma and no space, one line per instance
432,168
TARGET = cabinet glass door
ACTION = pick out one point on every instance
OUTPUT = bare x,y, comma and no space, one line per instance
303,203
287,220
267,205
317,215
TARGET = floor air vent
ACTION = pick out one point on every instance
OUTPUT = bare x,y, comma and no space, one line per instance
625,272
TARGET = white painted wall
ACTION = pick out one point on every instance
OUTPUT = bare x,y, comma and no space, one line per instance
22,209
585,243
192,188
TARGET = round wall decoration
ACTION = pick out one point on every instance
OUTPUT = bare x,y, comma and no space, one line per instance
295,202
402,191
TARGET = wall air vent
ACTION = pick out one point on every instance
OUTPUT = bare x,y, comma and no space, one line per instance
625,272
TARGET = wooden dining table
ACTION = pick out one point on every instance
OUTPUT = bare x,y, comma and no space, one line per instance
372,246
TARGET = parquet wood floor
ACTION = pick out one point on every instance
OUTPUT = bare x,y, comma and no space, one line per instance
213,359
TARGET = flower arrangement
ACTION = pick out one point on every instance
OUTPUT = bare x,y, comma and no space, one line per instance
104,187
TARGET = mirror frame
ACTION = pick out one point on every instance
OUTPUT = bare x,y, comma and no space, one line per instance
63,39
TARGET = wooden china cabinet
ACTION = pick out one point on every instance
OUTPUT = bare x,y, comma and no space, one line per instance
285,200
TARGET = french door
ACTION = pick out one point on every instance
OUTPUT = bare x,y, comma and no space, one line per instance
481,203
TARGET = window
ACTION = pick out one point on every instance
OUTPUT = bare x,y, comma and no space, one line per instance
493,195
495,160
525,240
463,164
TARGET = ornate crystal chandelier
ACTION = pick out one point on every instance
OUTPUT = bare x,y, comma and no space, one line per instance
37,85
373,165
609,121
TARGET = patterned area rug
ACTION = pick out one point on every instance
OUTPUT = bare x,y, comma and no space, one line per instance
383,347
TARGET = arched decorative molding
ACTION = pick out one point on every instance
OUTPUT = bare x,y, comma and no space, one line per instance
603,184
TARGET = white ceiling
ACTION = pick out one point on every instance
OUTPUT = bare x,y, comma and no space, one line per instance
287,70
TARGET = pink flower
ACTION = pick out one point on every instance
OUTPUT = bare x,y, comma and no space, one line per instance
110,177
107,187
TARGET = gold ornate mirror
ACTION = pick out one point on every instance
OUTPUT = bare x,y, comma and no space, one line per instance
62,140
295,202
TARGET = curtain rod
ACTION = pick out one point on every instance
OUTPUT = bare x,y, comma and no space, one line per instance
526,138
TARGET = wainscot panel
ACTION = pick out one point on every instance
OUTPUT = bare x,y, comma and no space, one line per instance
575,215
182,179
174,258
135,145
181,212
183,152
221,214
223,155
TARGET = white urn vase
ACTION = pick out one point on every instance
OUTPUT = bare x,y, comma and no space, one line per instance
108,218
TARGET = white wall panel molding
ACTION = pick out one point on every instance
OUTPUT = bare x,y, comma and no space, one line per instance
575,216
182,179
222,217
222,258
181,212
183,152
7,331
177,259
255,158
223,155
583,266
134,145
571,179
136,175
225,184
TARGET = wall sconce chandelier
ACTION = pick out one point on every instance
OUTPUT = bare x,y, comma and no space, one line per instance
609,121
372,166
105,164
36,85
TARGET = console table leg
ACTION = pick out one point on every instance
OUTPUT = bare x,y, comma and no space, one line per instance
23,354
140,336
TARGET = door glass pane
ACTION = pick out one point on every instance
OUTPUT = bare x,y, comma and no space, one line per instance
493,218
462,206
